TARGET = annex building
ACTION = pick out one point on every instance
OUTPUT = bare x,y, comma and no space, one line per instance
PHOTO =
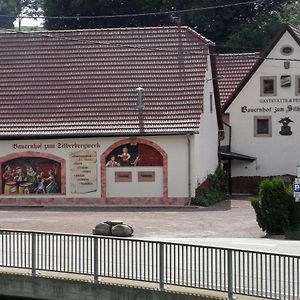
108,116
260,99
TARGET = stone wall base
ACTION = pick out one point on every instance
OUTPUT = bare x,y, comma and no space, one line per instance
250,184
44,201
56,288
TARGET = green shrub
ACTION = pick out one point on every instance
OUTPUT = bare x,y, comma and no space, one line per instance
293,232
272,207
215,190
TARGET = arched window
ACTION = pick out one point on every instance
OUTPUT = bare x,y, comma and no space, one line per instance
139,155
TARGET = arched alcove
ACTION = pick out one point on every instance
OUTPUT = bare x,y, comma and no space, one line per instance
135,153
32,173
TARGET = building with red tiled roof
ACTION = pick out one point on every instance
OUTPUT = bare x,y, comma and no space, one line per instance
107,116
261,108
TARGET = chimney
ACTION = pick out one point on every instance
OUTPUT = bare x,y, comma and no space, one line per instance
140,103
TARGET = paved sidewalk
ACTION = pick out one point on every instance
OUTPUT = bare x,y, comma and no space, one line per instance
231,218
273,245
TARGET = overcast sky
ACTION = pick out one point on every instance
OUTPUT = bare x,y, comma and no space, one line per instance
29,22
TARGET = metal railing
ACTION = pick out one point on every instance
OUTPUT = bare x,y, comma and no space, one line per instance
232,271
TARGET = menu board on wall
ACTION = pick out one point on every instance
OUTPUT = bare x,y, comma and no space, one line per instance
83,172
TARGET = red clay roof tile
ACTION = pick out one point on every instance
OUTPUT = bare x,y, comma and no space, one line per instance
232,69
84,82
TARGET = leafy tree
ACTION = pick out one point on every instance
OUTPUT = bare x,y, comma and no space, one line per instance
6,8
251,37
227,25
290,13
17,8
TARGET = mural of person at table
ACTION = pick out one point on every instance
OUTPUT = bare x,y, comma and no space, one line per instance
19,176
125,157
112,162
7,176
51,187
30,175
40,186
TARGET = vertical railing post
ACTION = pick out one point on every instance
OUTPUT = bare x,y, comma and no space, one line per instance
161,266
96,258
230,275
33,254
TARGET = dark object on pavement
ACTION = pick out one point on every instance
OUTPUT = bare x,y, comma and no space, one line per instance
102,229
122,230
115,228
113,223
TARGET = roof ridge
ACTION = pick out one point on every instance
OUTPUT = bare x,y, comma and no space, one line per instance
104,29
237,54
293,26
198,35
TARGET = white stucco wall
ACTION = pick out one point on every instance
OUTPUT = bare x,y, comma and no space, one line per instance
134,188
175,147
205,144
278,154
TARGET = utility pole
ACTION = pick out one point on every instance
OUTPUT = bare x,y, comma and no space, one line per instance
19,22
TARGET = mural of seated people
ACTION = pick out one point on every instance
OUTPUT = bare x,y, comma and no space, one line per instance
139,155
31,175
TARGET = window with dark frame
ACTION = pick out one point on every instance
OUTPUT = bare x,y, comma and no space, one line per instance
268,86
262,126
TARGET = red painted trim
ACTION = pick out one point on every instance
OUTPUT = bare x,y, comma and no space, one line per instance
92,201
37,154
134,141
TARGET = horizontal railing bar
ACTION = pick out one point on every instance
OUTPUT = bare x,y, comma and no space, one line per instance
148,241
234,271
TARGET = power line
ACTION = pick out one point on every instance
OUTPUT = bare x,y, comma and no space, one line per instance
154,49
45,33
120,45
77,17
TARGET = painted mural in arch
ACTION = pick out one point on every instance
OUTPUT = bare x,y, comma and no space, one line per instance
31,175
134,155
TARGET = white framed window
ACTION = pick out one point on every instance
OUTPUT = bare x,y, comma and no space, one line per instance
262,126
297,81
268,86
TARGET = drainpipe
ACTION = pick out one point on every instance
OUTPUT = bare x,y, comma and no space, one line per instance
188,136
229,162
